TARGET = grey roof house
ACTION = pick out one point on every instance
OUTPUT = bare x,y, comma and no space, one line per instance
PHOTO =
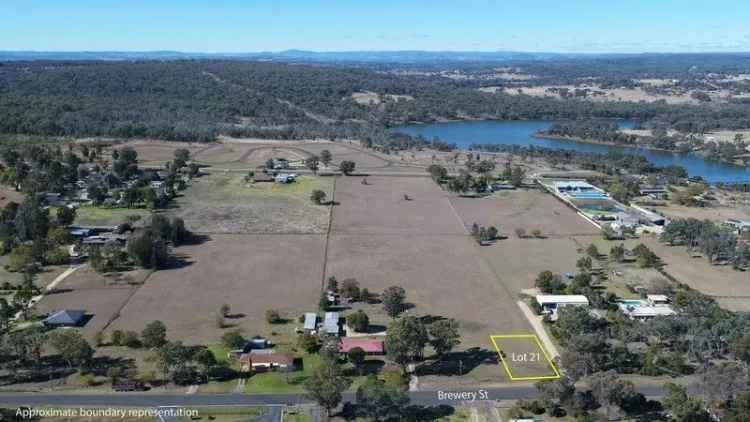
65,318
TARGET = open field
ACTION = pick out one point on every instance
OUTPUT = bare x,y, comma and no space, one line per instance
156,153
698,273
101,297
225,203
720,213
598,94
380,208
251,273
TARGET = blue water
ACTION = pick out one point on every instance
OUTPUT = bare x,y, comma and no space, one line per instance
464,134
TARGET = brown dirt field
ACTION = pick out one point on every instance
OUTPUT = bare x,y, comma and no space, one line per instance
380,207
517,262
341,151
251,273
98,295
153,152
526,209
698,273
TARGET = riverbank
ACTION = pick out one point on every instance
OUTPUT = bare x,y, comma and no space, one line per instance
699,153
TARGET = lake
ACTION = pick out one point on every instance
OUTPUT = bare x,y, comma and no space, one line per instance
464,134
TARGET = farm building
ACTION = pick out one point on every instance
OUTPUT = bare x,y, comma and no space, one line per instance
65,318
550,304
331,324
370,346
311,321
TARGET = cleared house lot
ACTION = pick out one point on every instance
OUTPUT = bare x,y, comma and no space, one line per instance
101,297
523,209
517,262
250,273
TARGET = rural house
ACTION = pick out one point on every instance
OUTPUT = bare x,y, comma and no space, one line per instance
65,318
370,346
550,304
258,362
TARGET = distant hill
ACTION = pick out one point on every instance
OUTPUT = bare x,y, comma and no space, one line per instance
294,55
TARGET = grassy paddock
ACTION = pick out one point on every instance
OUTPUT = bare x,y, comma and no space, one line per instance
99,216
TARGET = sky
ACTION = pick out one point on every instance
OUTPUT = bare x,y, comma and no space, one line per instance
581,26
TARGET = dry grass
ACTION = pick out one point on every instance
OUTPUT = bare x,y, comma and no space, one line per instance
251,273
698,273
225,203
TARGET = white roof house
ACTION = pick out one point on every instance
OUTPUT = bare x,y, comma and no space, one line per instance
653,306
551,303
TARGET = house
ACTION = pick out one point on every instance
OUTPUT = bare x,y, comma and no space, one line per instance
653,306
550,304
311,321
65,318
370,346
331,324
255,362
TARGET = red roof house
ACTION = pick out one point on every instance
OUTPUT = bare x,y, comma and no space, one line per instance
370,346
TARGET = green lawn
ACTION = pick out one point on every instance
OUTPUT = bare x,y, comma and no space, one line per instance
98,216
292,414
279,382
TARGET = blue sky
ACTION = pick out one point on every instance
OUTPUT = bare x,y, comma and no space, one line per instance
344,25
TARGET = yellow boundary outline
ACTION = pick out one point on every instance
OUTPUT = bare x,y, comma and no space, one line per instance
538,344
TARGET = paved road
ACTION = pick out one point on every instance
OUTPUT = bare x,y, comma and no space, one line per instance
273,414
157,400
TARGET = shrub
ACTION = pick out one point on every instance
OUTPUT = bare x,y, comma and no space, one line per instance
130,339
232,339
116,337
317,196
308,342
273,317
359,321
